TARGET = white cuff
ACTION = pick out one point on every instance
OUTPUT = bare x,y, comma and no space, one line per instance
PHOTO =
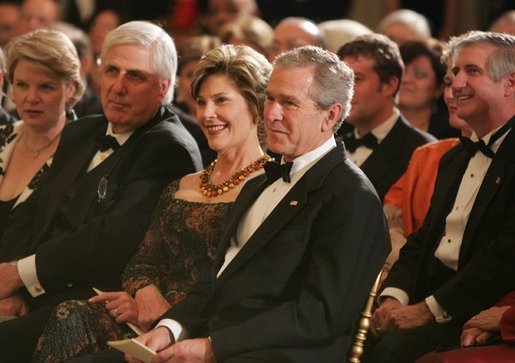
178,331
396,293
441,316
27,270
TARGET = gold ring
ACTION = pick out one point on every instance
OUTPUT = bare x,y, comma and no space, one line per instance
378,329
114,313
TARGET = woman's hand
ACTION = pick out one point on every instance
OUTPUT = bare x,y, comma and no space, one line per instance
151,305
489,319
120,305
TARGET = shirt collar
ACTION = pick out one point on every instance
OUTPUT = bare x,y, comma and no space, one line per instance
303,160
121,138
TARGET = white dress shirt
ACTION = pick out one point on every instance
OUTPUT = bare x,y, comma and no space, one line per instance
27,266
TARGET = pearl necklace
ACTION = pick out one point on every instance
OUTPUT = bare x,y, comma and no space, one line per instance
211,191
36,151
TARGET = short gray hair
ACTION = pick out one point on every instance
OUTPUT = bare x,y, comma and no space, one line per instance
333,81
163,54
500,63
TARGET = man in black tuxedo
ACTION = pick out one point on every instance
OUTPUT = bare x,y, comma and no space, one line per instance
462,259
300,252
382,141
106,177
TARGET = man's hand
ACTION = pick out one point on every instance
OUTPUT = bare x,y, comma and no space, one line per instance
10,280
410,316
13,305
392,316
187,351
157,340
151,305
381,316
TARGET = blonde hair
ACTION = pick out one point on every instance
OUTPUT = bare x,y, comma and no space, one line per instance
54,52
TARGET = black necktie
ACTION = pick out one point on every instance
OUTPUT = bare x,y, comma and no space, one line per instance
472,147
105,142
368,140
275,171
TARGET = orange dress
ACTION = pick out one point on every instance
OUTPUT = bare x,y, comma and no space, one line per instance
412,192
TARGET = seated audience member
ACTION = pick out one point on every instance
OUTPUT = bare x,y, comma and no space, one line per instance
505,23
407,201
221,12
404,25
37,14
250,31
341,31
301,247
461,260
382,141
5,117
420,93
488,337
88,218
102,22
89,104
190,53
295,32
180,245
43,69
9,18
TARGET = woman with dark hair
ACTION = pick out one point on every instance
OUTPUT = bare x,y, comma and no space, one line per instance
180,245
420,93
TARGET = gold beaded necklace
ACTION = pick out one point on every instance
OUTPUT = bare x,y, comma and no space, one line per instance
211,191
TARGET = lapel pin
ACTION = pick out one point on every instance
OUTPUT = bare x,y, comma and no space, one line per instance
102,189
294,202
498,180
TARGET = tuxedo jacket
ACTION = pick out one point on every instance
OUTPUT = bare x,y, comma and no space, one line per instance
390,158
295,289
486,268
86,225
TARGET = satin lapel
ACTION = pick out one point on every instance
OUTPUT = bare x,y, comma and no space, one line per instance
493,179
294,201
247,196
70,172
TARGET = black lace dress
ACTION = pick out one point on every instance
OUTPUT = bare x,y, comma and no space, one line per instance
177,250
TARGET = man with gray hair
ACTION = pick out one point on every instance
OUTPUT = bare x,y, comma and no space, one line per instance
461,261
108,172
299,254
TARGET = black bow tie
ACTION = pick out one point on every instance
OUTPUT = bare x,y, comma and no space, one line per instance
472,147
105,142
351,143
275,171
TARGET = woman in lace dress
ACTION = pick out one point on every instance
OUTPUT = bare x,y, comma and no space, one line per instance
180,245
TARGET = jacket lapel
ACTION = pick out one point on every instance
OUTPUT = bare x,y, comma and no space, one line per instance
294,201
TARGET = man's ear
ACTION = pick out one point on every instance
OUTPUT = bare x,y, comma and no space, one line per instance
391,86
164,85
333,114
509,85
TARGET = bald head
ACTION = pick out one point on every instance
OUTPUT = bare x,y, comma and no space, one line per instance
292,33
